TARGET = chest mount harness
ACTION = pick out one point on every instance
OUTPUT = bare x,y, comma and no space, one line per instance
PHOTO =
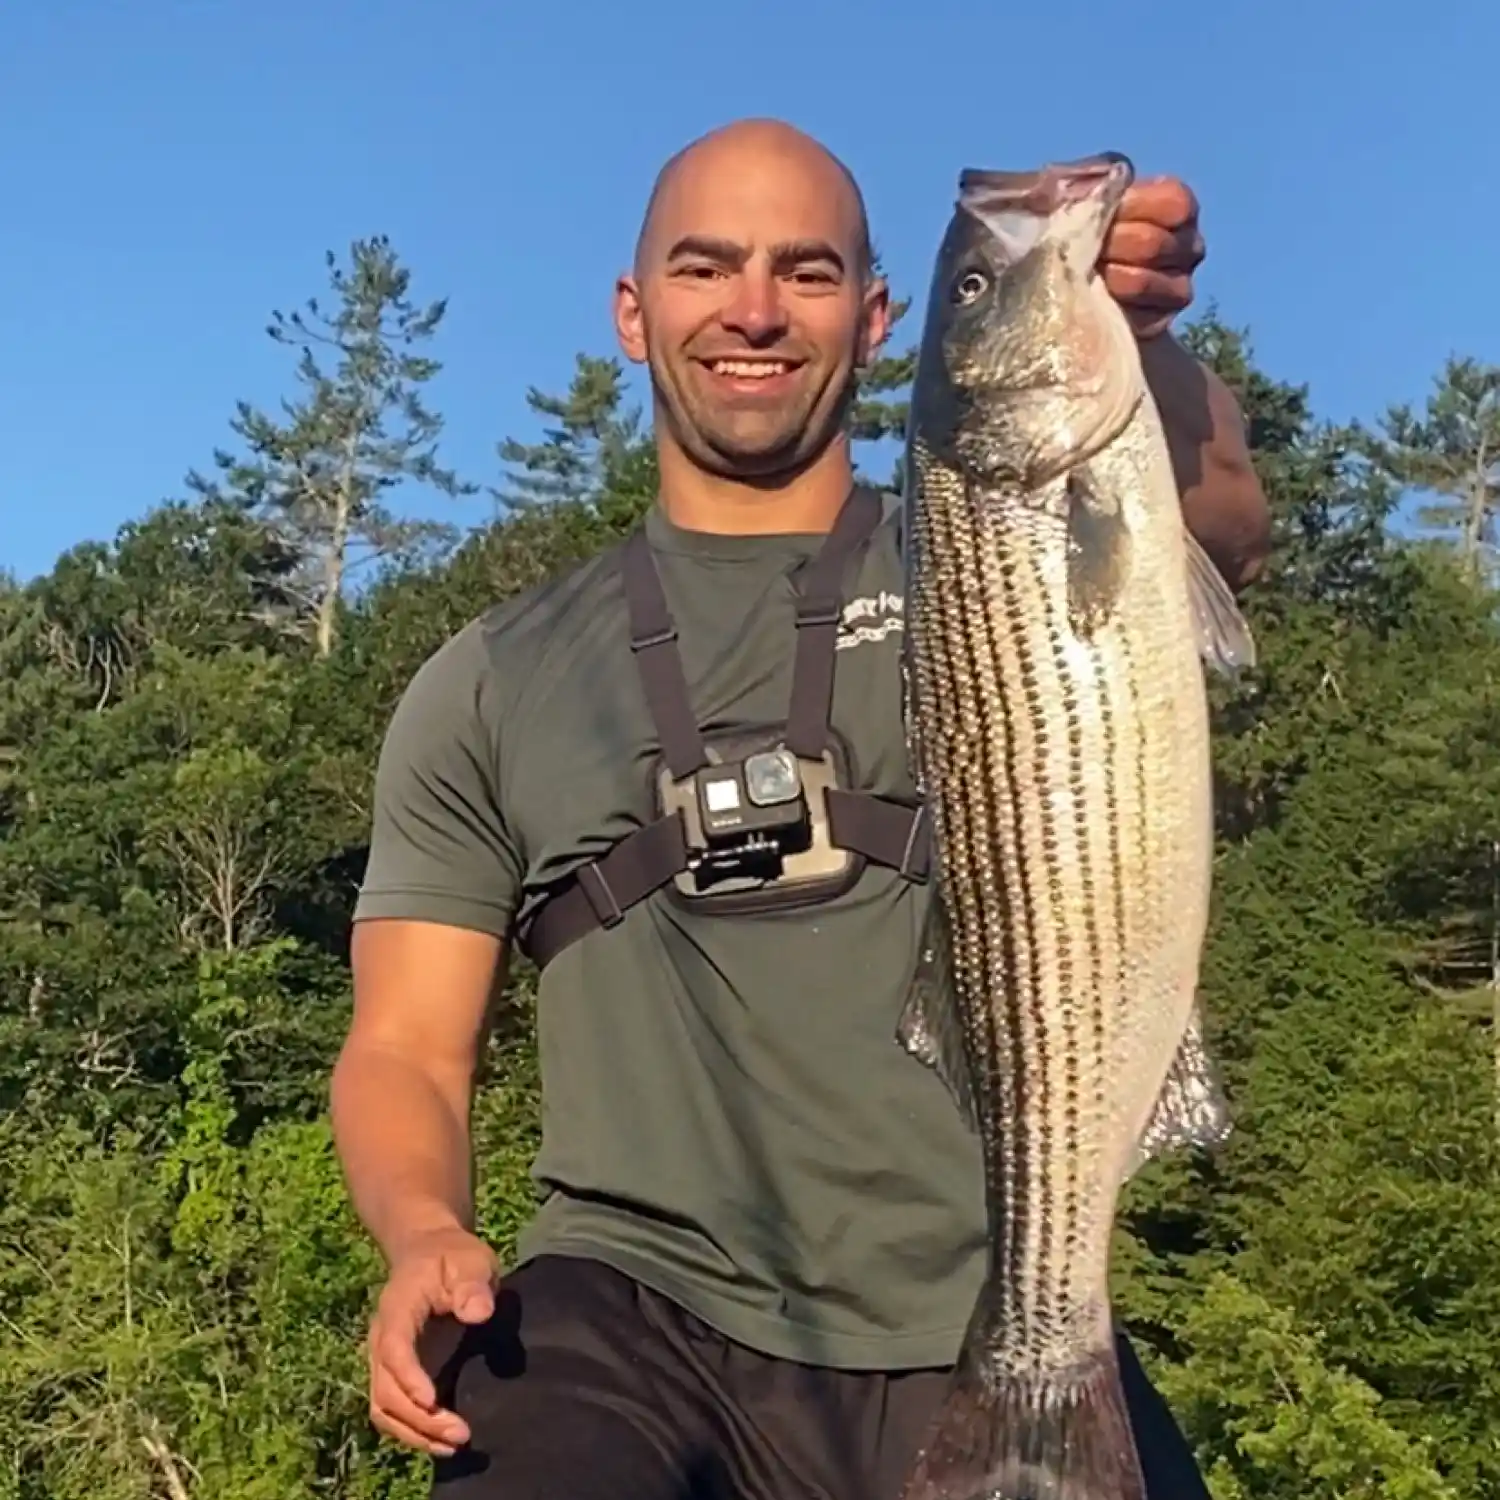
747,821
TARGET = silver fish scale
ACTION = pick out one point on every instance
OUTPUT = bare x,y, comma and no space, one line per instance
1069,790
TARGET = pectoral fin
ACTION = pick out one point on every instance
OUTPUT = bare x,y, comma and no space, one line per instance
1191,1109
1224,638
1098,554
930,1028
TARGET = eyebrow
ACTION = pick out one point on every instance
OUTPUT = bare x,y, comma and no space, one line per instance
784,256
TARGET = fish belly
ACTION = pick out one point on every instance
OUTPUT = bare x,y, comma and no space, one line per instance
1068,781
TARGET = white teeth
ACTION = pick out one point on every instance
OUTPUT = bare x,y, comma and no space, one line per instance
749,369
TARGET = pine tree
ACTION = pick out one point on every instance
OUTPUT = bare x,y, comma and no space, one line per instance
1451,457
360,431
592,449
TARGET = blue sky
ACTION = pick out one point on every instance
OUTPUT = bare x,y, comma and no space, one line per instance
172,170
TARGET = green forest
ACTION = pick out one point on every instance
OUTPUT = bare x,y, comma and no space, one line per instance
190,715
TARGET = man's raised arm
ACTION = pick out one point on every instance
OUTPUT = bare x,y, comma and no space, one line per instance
1150,254
1222,500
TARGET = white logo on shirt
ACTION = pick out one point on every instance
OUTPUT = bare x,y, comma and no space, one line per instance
870,618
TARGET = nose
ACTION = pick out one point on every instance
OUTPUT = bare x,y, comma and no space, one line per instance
756,311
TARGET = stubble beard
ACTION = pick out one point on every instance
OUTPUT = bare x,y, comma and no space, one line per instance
764,446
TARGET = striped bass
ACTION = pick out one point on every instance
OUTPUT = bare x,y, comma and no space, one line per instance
1058,618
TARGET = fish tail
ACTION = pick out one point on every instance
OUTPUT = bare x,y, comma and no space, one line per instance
1057,1435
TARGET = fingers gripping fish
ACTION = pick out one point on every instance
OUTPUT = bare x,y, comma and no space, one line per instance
1058,618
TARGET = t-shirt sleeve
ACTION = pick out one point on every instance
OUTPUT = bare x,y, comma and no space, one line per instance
440,850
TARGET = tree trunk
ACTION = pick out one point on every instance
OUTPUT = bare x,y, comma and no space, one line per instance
1478,512
333,578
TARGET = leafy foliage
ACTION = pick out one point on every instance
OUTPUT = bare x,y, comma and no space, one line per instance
186,751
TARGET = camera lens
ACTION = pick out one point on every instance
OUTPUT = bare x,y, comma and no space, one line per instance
772,777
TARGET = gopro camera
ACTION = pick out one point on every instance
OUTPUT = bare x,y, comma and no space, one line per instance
753,812
756,824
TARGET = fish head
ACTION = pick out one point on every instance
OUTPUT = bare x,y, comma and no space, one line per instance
1027,365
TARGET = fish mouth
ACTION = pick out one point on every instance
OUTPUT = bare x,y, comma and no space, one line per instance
1049,189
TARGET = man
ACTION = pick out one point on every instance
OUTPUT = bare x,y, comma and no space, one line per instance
764,1222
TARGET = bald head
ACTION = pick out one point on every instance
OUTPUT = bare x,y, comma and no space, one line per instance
753,301
755,147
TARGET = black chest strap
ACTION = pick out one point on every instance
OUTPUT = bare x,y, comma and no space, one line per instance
888,833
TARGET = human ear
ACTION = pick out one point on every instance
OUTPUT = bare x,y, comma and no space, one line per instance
630,323
875,319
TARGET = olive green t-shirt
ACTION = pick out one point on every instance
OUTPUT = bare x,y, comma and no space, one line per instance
727,1115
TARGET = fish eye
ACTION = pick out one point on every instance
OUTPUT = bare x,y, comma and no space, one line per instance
970,287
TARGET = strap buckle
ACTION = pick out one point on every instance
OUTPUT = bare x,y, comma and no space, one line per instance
818,612
663,637
600,897
915,856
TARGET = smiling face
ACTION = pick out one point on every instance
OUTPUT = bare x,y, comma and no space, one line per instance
751,301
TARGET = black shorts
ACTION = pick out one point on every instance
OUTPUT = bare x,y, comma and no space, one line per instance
588,1386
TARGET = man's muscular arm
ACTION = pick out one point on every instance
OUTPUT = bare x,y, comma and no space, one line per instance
429,943
1150,255
1223,503
403,1084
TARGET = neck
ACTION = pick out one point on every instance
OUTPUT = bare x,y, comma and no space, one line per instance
808,500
